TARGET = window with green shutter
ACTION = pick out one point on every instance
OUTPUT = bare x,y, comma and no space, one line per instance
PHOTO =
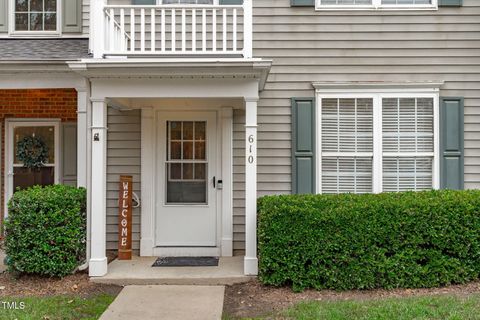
375,141
303,145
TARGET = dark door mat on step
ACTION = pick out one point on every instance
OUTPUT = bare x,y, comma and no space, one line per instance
186,262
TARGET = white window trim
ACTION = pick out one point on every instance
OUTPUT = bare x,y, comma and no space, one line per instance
368,91
10,124
376,5
215,3
33,34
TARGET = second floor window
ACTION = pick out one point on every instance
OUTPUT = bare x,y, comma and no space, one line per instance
375,4
35,15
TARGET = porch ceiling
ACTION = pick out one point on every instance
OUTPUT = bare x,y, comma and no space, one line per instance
192,68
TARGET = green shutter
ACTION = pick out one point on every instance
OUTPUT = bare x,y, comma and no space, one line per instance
302,3
303,145
69,153
3,16
231,2
451,141
450,3
72,16
144,2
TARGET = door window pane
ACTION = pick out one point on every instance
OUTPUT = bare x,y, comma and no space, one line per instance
45,133
26,177
186,162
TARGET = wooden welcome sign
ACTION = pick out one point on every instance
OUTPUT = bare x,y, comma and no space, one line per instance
125,218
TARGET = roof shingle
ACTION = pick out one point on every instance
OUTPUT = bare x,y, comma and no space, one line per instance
43,49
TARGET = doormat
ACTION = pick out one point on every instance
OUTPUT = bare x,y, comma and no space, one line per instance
186,262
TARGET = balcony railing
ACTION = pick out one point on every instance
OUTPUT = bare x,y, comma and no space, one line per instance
174,30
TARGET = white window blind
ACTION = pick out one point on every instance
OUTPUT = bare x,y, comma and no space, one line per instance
381,142
347,145
400,2
408,143
346,2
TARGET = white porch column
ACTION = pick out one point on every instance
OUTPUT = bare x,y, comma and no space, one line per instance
82,130
83,103
147,225
251,261
97,30
98,259
227,176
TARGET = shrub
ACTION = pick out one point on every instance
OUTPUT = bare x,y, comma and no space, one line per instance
46,230
389,240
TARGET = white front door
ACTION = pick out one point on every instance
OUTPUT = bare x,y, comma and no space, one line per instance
186,214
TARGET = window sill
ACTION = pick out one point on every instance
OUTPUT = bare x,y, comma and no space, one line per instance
35,34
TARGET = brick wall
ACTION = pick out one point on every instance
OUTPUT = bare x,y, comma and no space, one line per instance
34,104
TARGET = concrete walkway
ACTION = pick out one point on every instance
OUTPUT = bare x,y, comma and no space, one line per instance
167,303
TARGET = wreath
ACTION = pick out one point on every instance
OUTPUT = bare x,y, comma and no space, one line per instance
32,151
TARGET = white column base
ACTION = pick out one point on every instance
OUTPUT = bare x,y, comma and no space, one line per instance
97,267
146,247
227,247
250,266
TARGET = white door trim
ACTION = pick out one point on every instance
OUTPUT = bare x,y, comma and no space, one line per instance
8,151
149,188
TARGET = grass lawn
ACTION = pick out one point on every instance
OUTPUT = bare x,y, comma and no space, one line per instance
57,307
426,307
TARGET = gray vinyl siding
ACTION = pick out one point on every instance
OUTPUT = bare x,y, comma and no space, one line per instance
123,158
85,17
238,182
307,46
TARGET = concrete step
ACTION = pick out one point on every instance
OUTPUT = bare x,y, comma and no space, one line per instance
139,271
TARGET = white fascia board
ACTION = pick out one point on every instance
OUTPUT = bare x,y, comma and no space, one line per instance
174,68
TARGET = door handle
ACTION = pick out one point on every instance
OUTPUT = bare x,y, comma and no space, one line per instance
214,182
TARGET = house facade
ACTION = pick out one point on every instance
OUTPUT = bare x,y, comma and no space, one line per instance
209,104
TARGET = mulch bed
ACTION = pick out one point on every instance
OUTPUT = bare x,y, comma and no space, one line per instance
252,299
77,284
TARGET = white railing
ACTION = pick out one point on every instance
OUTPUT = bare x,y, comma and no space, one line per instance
175,30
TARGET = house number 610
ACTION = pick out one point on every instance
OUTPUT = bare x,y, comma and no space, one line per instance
251,140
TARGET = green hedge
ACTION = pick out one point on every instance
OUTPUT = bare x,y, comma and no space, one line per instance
390,240
46,230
